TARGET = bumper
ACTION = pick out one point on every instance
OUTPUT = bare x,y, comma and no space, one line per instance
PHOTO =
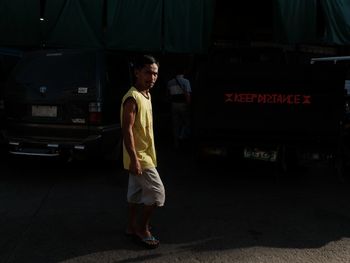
58,140
272,147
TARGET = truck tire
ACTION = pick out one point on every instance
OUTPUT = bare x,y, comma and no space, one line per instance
288,160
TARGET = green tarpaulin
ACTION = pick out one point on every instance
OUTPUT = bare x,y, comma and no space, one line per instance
179,26
337,18
172,26
73,23
184,26
187,25
19,22
134,25
295,20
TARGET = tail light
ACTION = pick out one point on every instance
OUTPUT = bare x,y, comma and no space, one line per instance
95,112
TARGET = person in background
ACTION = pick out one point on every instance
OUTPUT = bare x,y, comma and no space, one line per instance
139,155
179,90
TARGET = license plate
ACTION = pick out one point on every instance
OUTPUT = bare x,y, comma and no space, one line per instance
44,111
260,154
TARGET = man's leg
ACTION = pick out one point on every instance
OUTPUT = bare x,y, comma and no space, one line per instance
133,197
132,218
153,196
143,231
145,219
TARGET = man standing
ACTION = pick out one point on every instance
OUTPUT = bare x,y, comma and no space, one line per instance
139,155
179,89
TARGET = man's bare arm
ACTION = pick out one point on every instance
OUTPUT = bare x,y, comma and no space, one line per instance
129,114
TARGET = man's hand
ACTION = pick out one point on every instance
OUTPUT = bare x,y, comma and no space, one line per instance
135,168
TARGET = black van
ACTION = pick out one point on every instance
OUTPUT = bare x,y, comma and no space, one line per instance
8,59
66,103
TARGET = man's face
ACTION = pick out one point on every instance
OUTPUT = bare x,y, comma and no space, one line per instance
147,76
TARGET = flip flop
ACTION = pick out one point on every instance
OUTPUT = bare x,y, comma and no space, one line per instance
149,242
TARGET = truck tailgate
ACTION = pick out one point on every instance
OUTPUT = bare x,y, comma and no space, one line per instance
269,102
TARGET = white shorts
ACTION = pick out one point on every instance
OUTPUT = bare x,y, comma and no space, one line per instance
147,189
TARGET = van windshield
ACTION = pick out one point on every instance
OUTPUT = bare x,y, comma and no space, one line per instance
59,70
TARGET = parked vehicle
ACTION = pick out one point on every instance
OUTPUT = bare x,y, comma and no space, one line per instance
344,61
65,103
263,110
8,60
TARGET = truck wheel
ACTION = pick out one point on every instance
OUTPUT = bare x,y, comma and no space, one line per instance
339,164
339,169
341,156
288,160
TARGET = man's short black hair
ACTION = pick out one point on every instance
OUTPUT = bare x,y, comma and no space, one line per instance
144,60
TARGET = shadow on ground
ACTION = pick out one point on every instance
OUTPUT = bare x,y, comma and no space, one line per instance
52,212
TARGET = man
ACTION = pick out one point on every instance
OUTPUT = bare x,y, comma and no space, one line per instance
179,89
139,155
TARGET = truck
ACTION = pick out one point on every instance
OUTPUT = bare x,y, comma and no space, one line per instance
252,104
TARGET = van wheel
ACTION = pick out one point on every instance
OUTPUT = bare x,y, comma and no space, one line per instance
5,158
65,157
115,155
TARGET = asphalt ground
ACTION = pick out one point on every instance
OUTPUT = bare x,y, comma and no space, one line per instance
216,211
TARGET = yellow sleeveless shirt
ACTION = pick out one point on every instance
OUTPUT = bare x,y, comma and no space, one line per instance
142,130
